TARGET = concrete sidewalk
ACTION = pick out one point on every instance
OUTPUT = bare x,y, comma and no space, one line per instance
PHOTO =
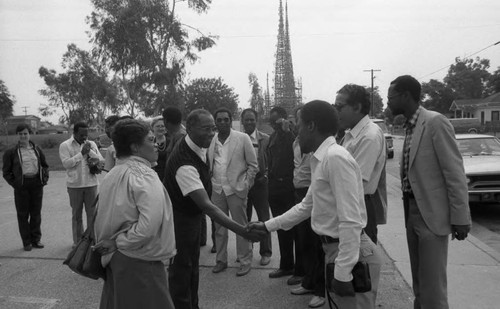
39,276
473,267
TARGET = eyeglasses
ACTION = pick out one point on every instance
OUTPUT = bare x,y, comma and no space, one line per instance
340,106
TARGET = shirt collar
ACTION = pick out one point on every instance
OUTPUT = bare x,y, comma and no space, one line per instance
413,120
133,158
201,152
320,153
356,130
254,135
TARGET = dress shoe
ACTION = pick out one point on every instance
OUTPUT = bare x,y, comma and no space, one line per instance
213,250
278,273
300,290
38,245
316,301
294,280
265,260
27,248
219,267
243,270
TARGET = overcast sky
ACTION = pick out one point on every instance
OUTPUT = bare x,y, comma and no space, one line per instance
332,41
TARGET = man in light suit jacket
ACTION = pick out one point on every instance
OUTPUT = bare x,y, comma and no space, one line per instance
258,194
434,192
233,166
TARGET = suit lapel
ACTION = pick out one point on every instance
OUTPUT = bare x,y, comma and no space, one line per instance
232,145
211,150
417,135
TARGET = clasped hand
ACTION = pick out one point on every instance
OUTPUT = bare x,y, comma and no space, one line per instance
256,231
105,246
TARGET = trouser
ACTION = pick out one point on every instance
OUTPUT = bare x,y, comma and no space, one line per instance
371,223
303,237
28,200
237,207
314,262
132,283
257,197
203,232
77,198
184,273
428,259
279,204
369,253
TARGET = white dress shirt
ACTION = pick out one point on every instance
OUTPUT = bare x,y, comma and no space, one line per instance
77,169
219,172
302,170
334,202
366,143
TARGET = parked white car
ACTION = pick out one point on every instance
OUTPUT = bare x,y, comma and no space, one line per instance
481,156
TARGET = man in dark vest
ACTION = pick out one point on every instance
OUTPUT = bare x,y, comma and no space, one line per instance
187,180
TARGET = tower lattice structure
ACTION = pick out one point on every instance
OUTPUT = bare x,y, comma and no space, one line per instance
284,82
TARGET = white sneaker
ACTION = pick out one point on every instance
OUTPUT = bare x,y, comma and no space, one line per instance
316,301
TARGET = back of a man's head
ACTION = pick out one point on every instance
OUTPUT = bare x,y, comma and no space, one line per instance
408,83
172,115
323,114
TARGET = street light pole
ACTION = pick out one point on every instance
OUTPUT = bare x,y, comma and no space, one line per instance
371,71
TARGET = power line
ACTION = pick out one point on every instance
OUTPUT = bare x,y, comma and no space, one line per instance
467,56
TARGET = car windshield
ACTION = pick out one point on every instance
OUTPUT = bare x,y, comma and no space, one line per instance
479,146
382,126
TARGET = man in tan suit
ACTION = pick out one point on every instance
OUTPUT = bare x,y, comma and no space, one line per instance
434,192
233,166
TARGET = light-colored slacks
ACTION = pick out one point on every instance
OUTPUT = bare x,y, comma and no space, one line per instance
237,207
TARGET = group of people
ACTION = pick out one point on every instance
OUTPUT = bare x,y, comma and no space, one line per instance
326,192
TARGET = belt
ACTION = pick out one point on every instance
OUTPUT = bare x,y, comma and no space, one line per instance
330,240
31,176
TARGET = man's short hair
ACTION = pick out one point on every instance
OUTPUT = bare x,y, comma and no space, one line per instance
194,117
126,133
126,117
223,110
280,110
172,115
323,114
23,126
408,83
79,125
249,110
111,120
357,94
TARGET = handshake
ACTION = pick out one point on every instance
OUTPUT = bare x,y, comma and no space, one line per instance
255,231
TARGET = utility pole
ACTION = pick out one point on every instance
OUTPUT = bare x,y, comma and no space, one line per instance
25,110
372,77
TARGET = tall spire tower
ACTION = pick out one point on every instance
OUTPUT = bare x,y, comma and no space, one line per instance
284,83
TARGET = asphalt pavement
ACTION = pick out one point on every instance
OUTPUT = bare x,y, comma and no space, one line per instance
37,279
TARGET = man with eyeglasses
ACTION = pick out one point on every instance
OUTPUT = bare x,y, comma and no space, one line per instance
233,166
434,189
188,182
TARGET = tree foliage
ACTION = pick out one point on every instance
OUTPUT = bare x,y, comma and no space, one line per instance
493,84
6,101
145,44
81,92
256,99
378,105
467,78
437,96
210,94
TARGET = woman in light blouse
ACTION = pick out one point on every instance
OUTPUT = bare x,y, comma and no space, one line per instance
134,224
25,169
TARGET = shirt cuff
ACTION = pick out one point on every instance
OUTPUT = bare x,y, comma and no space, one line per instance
272,225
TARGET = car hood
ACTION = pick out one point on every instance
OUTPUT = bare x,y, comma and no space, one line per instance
481,164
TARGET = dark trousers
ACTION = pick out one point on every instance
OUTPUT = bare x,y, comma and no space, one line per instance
371,224
279,204
132,283
77,198
184,273
203,232
28,201
309,254
258,199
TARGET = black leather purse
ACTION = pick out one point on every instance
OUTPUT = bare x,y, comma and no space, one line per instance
361,281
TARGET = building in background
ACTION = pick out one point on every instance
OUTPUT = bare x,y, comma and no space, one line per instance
31,120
